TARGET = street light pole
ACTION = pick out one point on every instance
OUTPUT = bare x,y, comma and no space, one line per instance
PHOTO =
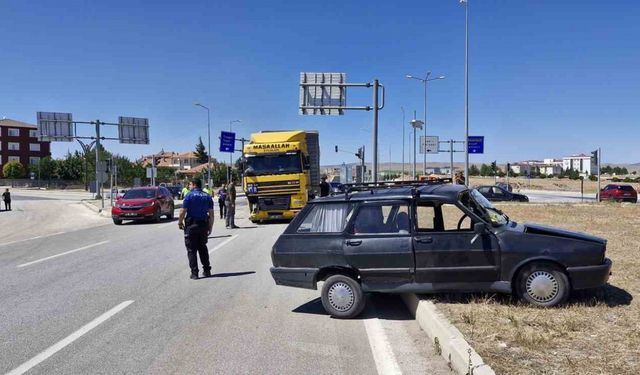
424,81
402,109
465,3
231,154
416,124
208,142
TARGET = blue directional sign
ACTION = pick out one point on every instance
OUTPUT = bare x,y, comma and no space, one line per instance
227,141
475,144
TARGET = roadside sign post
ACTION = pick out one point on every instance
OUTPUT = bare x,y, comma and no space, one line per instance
57,126
326,94
228,144
475,144
451,143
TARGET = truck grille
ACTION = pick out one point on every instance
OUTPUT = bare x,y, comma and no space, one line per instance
273,203
278,187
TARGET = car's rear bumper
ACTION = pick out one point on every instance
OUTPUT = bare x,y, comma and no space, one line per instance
590,276
295,277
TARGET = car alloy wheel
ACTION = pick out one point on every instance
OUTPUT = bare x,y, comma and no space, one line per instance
542,286
341,296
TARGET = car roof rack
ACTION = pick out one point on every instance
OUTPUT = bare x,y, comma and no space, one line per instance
371,186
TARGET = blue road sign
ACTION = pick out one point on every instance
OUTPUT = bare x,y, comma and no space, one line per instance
476,144
227,141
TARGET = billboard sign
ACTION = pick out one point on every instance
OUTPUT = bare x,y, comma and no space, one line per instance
134,130
475,144
227,141
321,93
429,144
55,126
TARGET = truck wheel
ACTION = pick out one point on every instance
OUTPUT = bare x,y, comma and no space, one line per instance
543,285
342,297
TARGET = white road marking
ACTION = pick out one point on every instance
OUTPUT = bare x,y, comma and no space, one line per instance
47,235
67,340
224,243
386,362
61,254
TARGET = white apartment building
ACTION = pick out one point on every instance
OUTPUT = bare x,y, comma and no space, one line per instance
581,163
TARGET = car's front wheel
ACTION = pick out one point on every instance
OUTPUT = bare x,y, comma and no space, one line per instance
342,297
171,212
543,285
117,221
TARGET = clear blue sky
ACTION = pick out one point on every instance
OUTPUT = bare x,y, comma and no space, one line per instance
548,78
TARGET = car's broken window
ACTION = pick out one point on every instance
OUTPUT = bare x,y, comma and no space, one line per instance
326,218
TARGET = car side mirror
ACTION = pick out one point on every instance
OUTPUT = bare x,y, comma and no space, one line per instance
479,229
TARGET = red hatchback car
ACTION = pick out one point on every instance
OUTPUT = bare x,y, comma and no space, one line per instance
619,193
143,203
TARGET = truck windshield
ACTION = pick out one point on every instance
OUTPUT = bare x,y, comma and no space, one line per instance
258,165
477,203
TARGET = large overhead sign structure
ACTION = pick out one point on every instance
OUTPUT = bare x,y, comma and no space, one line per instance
55,126
323,93
326,94
133,130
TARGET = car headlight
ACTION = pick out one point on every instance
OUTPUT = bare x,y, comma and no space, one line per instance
149,204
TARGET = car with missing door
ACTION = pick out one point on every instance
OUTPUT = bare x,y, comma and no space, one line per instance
427,239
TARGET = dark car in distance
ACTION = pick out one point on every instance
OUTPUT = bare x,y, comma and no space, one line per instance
500,194
143,203
619,193
426,239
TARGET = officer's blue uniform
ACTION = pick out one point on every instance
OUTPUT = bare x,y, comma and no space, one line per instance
197,203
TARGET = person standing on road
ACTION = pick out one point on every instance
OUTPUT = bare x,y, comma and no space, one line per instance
185,191
222,195
230,204
6,197
207,189
325,188
198,209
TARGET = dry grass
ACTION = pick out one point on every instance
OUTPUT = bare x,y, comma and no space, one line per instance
554,184
597,332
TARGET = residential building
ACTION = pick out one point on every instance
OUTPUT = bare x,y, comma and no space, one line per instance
180,161
19,141
581,163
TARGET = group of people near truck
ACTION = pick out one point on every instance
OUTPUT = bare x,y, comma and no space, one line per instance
226,200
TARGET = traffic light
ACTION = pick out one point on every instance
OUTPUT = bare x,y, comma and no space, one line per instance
508,167
336,148
494,166
594,157
360,153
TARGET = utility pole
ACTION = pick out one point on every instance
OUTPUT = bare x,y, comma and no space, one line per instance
402,109
98,195
376,84
465,3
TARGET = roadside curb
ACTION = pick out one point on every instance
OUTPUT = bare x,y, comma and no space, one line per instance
449,341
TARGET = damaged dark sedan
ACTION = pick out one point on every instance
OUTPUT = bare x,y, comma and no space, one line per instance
426,239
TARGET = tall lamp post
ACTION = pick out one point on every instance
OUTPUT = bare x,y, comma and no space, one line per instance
424,82
402,109
231,154
416,124
208,142
465,3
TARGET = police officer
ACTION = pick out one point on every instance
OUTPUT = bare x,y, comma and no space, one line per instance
185,190
198,209
325,188
230,204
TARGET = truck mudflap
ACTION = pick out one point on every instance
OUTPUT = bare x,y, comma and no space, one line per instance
295,277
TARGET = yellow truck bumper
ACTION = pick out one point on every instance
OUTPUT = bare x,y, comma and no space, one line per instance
273,215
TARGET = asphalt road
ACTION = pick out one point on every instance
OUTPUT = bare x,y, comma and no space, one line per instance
118,299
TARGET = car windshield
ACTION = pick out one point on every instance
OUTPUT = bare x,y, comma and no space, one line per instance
140,194
626,187
274,164
482,207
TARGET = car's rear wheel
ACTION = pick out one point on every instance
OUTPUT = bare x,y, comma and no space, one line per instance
342,297
117,221
543,285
